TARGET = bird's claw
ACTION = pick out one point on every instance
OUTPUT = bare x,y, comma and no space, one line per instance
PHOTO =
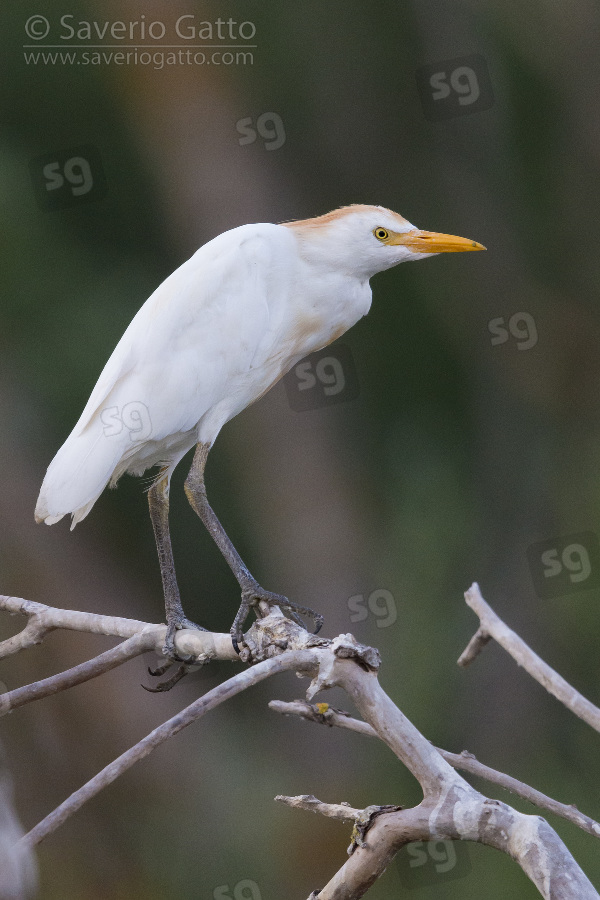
170,682
175,624
187,662
251,598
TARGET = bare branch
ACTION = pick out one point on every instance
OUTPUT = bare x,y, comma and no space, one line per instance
469,763
342,811
474,647
390,724
451,808
362,819
528,839
323,714
133,646
464,761
299,660
202,645
493,626
48,618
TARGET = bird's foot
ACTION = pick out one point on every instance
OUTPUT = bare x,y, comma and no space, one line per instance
174,624
251,599
169,683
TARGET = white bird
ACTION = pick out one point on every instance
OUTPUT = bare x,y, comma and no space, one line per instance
213,338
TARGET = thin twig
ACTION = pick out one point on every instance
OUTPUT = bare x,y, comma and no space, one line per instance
492,625
464,761
128,649
474,647
48,618
299,660
43,619
323,714
469,763
451,807
342,811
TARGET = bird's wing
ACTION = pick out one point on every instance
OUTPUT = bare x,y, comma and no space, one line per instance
198,340
217,297
187,356
120,363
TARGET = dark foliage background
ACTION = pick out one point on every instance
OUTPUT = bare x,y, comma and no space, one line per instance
457,457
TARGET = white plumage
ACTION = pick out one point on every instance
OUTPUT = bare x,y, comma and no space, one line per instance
212,338
217,334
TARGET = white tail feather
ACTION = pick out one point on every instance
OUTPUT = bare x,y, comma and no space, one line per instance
78,474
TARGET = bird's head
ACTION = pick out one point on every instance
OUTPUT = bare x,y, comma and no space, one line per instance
363,240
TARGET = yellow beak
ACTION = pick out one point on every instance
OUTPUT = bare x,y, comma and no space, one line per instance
432,242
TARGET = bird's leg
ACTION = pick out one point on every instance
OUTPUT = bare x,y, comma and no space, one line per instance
158,502
252,592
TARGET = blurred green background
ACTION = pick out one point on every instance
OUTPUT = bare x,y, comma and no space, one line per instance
459,455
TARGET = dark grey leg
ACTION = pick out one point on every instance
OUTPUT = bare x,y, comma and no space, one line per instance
158,502
252,592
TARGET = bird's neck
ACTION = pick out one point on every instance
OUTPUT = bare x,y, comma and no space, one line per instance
325,305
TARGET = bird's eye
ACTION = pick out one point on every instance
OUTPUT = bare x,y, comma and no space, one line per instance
381,234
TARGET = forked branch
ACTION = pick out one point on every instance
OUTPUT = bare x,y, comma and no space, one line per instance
451,808
492,626
465,761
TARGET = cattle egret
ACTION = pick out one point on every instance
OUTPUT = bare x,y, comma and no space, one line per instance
213,338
